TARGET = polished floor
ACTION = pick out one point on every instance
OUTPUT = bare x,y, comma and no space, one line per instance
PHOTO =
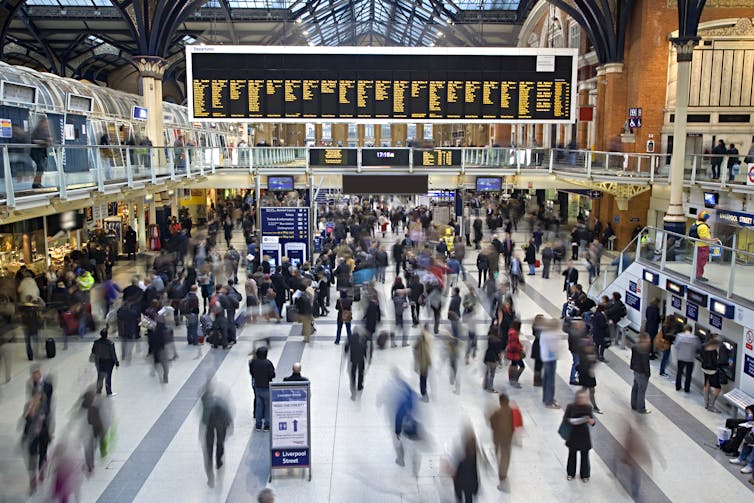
157,455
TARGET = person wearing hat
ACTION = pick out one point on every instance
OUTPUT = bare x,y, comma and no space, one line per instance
701,230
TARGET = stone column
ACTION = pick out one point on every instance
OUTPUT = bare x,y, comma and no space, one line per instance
360,135
151,70
675,220
317,134
611,103
141,227
174,203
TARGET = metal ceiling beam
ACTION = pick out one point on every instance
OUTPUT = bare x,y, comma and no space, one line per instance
53,60
8,10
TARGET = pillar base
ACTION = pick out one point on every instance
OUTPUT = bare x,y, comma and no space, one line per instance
675,221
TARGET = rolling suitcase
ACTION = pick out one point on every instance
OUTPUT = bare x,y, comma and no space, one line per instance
291,313
69,322
50,347
241,319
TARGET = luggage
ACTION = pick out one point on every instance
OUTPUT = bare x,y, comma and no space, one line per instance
241,319
69,322
357,295
291,313
382,339
50,347
537,263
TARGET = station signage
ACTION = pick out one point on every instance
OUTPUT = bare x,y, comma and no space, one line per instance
399,84
722,308
290,425
385,157
633,301
692,311
437,157
736,218
343,157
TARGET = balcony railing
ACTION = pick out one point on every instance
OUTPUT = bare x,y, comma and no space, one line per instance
83,168
726,272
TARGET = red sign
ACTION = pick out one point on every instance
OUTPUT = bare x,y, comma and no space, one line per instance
586,114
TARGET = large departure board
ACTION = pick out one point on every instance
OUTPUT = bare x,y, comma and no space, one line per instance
333,157
361,84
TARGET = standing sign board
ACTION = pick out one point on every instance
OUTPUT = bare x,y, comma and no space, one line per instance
285,233
290,437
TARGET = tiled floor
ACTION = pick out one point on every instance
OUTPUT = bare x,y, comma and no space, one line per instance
352,451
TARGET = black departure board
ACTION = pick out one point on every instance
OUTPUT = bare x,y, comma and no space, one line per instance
316,84
437,157
333,157
385,157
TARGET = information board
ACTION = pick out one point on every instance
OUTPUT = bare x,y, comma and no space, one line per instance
285,233
362,84
747,365
333,157
385,157
290,433
437,157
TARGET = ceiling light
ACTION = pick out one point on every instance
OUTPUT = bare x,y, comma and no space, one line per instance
306,32
439,33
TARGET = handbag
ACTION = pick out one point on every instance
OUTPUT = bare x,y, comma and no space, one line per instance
565,429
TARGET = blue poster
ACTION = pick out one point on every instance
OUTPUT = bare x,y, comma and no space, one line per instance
290,457
633,301
632,286
676,302
716,321
749,365
285,233
692,311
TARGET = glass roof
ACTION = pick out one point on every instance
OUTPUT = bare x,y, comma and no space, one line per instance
253,4
71,3
486,4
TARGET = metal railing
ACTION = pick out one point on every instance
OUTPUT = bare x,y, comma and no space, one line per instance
68,168
697,262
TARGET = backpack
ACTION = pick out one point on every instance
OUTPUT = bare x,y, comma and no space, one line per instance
694,230
623,311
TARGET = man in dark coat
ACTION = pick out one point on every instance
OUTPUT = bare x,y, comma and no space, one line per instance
105,359
356,347
130,238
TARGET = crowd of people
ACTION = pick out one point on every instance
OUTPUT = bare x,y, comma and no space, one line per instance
196,281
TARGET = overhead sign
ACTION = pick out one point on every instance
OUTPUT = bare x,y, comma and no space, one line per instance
400,84
634,117
140,113
290,429
716,321
736,218
333,157
385,157
437,157
285,233
750,178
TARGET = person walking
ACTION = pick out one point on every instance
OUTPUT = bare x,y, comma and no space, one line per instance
600,332
470,301
587,379
577,418
515,353
483,268
423,360
105,359
548,348
435,300
495,348
711,370
571,277
640,366
190,309
530,257
356,347
399,305
262,373
501,422
217,423
686,348
547,255
466,474
415,298
536,352
344,307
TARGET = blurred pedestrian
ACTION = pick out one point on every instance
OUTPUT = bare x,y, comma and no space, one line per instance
470,302
266,496
105,359
492,356
514,352
423,360
217,423
577,419
466,474
344,307
501,422
356,347
711,370
536,355
548,348
36,436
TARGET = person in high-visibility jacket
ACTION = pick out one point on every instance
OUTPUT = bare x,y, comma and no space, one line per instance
84,283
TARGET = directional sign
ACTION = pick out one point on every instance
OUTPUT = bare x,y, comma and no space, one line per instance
634,123
634,113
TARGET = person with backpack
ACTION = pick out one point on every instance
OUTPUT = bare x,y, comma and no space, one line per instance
701,230
190,309
344,307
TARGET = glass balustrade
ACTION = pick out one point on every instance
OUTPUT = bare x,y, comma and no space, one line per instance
79,167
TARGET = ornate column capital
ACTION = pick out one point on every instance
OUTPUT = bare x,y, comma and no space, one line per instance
151,66
610,68
684,47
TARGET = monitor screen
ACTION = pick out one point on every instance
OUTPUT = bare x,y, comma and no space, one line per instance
711,199
280,183
489,184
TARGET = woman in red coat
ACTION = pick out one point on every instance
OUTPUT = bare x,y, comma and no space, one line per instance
515,353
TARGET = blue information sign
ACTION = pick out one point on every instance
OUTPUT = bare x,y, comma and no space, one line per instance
692,311
676,302
285,233
290,433
633,301
749,365
632,286
716,321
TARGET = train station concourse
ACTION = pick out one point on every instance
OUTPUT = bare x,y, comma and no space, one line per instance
376,250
